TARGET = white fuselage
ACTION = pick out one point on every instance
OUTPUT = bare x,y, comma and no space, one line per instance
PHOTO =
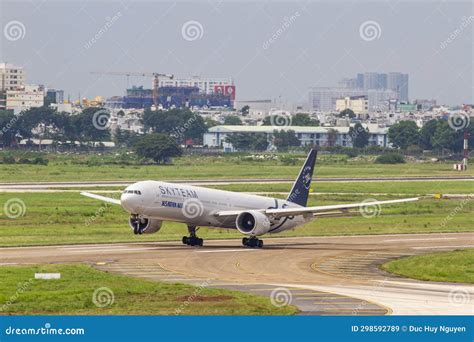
197,206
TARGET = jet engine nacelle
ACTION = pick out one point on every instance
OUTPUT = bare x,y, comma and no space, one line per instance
144,225
252,223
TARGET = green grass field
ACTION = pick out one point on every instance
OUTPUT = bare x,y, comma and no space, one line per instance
73,294
456,266
392,187
68,218
89,168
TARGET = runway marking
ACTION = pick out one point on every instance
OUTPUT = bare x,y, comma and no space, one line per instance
93,247
435,247
332,303
428,239
110,250
305,294
272,288
322,297
441,287
390,253
228,250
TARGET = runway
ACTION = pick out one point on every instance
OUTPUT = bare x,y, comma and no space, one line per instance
4,187
320,275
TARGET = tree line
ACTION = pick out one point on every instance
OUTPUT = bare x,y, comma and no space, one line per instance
165,130
436,134
46,123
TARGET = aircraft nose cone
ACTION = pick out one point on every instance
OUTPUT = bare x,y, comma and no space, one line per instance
128,203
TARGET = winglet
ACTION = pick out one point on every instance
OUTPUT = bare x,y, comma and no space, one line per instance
299,191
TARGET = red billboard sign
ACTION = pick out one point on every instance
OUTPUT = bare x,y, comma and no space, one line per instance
228,90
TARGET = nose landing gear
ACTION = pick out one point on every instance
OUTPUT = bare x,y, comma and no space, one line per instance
192,239
138,224
252,242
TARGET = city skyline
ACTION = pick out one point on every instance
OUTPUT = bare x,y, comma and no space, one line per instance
276,51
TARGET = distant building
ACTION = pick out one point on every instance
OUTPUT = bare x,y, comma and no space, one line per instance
317,136
426,104
324,98
172,96
408,107
398,82
205,85
394,81
55,95
11,76
358,104
25,97
62,107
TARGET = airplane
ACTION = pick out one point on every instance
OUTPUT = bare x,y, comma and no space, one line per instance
150,203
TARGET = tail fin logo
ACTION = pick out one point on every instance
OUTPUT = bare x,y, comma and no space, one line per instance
306,179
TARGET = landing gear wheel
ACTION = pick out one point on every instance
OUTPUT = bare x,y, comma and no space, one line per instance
192,239
252,242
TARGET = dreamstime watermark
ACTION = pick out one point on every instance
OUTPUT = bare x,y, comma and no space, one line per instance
456,210
464,23
192,208
459,297
179,131
110,21
101,119
381,107
14,208
287,22
294,195
192,30
14,30
369,209
375,289
358,129
102,209
12,122
459,120
280,297
47,329
103,297
279,118
192,297
21,288
370,30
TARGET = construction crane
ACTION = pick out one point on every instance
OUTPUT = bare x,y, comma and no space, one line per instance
155,76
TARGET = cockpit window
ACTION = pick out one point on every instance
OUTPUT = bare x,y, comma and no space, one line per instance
135,192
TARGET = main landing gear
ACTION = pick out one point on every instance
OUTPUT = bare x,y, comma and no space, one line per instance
192,239
252,242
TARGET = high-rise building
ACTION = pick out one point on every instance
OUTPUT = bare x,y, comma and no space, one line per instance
360,81
395,81
398,82
11,76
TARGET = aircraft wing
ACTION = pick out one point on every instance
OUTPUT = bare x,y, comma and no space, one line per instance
101,198
316,210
